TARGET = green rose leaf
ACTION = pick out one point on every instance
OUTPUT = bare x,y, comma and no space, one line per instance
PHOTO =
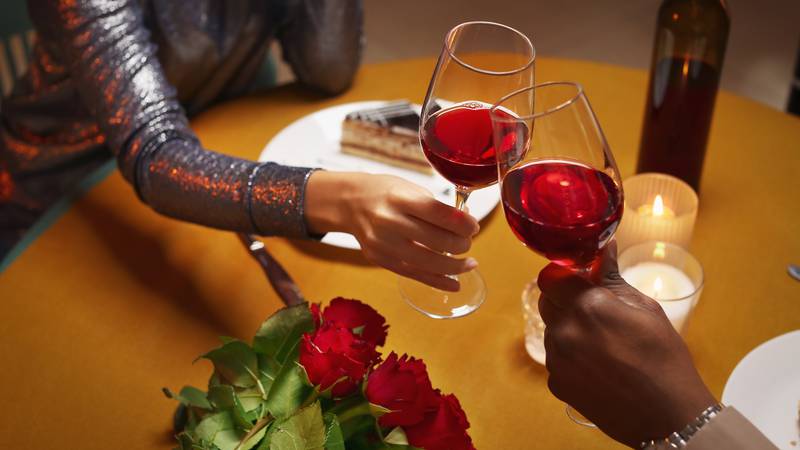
253,440
185,441
265,443
357,426
302,431
334,440
251,399
396,436
290,389
278,336
191,396
224,397
218,429
227,339
236,363
268,369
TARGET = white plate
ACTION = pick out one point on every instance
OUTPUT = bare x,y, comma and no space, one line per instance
313,141
765,388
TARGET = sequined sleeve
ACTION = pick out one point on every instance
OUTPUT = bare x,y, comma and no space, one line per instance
323,42
113,63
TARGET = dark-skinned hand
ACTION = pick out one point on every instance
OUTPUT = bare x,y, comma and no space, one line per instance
613,355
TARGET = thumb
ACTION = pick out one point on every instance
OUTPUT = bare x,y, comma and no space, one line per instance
611,279
608,271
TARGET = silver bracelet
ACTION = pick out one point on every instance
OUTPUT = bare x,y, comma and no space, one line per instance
679,439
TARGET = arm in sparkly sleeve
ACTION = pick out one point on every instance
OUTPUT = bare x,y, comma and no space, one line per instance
322,42
113,63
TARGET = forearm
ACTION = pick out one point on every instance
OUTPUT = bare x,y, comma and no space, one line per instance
114,66
184,181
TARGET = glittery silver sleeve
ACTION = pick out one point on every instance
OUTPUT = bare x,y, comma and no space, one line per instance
112,62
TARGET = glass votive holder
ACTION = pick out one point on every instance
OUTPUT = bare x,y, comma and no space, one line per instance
534,325
666,273
657,207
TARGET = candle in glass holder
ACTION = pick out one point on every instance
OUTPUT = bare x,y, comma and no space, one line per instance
657,207
667,274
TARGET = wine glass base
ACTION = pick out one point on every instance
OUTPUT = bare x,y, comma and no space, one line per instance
439,304
578,418
534,326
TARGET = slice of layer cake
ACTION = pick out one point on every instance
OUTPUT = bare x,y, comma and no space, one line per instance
389,134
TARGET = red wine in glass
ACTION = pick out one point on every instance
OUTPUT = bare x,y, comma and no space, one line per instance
564,210
459,144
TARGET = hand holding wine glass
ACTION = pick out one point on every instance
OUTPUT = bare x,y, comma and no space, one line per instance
399,225
480,62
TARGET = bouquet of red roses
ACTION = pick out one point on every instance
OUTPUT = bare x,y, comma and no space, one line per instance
314,379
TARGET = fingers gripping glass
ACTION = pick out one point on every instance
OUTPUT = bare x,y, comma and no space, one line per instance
479,63
560,187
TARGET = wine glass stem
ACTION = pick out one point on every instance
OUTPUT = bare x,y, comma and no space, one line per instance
461,204
588,272
461,198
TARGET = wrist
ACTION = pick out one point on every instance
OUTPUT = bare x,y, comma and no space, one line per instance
688,405
326,200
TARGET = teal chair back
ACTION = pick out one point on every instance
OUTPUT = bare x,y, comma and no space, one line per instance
16,42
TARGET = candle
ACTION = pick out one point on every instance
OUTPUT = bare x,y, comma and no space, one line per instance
666,273
658,207
665,284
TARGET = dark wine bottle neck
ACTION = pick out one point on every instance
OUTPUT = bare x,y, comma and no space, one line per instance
692,29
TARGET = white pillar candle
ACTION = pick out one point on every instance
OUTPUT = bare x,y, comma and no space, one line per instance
668,285
658,207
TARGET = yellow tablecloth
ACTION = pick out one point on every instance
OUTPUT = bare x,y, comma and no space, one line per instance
113,301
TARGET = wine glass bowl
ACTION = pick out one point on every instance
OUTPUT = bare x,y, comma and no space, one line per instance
480,62
561,190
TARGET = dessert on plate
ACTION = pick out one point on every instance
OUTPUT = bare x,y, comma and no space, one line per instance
389,134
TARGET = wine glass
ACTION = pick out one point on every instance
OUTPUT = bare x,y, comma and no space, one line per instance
560,187
479,63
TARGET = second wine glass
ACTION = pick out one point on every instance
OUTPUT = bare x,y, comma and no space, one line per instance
560,187
479,63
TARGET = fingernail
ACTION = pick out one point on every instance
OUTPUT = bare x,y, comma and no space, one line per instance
471,263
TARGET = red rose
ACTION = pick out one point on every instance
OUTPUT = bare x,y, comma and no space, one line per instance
332,354
357,316
314,307
444,428
401,385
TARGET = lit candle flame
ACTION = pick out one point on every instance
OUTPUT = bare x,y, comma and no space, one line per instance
658,206
657,286
660,250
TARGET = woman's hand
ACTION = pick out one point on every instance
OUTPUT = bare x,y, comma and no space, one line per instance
399,225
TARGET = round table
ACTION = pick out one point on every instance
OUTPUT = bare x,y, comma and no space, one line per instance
113,302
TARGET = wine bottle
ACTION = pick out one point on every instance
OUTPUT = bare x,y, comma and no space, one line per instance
793,106
684,78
